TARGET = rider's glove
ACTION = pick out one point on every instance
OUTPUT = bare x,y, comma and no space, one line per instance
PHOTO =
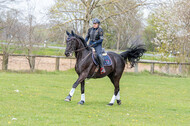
94,44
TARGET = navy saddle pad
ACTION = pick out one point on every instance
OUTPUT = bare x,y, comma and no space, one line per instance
107,60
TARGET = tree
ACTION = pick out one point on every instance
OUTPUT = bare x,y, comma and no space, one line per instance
10,27
149,33
74,14
123,28
30,38
172,29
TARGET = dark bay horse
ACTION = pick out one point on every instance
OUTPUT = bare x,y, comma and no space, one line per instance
85,67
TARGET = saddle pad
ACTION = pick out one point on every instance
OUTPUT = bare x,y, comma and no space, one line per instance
107,60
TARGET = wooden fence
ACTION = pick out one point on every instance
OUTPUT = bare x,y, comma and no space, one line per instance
152,65
57,58
136,68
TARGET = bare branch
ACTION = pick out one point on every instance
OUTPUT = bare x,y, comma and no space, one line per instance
84,2
80,19
93,6
125,11
107,3
73,11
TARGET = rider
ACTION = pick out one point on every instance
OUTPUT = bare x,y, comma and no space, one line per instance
95,34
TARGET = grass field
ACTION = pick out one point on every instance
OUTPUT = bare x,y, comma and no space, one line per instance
40,51
146,100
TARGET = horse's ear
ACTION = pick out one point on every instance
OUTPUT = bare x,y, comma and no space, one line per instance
72,32
67,33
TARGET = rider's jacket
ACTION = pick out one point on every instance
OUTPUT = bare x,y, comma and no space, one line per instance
95,35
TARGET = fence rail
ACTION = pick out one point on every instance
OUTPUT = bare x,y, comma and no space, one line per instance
136,68
160,62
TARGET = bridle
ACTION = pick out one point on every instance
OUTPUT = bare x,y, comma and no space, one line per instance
78,50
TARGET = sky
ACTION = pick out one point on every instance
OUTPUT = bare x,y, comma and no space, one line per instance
40,11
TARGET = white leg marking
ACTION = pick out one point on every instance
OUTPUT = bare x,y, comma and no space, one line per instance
118,96
82,97
72,91
113,99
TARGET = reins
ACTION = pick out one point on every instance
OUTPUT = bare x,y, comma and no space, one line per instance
78,50
85,57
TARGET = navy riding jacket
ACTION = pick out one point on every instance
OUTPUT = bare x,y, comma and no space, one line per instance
95,35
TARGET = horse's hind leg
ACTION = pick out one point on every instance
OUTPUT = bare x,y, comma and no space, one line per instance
115,80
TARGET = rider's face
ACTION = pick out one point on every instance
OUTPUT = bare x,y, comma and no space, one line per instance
95,25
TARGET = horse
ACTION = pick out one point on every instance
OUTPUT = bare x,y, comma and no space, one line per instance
85,67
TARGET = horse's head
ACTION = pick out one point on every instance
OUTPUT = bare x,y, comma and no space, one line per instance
74,42
71,43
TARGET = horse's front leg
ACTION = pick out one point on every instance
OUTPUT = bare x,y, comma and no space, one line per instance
81,78
82,93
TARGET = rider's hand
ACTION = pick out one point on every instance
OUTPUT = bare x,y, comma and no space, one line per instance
94,44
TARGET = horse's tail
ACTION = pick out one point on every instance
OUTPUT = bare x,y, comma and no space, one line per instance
133,53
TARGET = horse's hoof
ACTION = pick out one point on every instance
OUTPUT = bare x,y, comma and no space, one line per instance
81,102
110,104
119,102
68,98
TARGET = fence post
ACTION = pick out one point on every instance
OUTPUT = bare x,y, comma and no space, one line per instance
57,63
180,68
167,68
136,68
152,68
70,63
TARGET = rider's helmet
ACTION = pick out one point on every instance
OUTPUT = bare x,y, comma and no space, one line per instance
96,20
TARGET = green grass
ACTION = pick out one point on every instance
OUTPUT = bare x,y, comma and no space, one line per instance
159,58
146,100
49,52
41,51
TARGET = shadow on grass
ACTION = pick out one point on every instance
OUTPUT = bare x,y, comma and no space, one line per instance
72,71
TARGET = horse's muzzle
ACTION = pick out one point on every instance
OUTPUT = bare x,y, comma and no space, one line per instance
67,54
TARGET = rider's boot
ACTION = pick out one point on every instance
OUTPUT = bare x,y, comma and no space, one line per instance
102,69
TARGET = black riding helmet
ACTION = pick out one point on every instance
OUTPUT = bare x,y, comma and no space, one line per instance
96,20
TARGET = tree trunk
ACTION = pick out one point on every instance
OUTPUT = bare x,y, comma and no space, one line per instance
84,29
86,21
31,60
118,40
85,26
5,61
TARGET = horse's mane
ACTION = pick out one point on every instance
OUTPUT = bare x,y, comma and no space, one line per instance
82,40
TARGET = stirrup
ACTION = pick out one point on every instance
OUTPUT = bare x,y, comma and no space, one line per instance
102,70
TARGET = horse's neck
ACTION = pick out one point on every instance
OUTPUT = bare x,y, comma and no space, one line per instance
81,54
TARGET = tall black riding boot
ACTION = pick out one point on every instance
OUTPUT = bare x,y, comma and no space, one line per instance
100,59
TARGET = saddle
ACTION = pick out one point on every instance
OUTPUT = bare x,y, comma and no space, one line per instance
107,60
